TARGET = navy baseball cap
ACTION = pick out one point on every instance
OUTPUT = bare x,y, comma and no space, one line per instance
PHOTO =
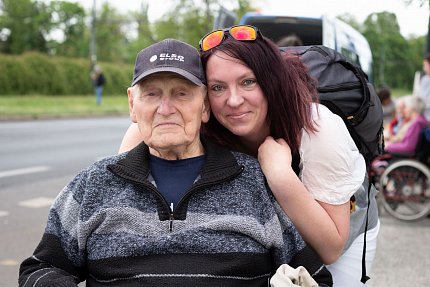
169,55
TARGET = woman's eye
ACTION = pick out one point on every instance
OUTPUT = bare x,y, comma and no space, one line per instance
249,82
216,88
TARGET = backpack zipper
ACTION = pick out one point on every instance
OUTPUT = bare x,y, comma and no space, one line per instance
340,87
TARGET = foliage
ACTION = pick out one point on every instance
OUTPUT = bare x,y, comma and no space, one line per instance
13,75
110,36
39,106
27,22
37,73
144,36
186,21
69,18
28,26
392,55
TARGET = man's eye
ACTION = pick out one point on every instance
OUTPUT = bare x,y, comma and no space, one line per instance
150,94
181,94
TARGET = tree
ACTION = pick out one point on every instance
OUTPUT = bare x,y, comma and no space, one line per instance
185,21
391,54
25,25
69,19
243,7
111,39
144,36
188,21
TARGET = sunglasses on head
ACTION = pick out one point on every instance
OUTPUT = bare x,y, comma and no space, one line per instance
239,33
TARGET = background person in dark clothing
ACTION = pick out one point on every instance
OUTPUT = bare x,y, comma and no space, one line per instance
98,82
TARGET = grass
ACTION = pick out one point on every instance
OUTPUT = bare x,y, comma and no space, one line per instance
400,92
39,107
17,107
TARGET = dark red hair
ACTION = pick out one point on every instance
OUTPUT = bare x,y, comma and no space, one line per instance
286,84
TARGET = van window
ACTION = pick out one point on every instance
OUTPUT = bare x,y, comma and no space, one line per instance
278,27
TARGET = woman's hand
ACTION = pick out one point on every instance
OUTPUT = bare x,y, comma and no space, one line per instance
274,157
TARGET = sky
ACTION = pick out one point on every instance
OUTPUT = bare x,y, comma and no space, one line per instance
413,19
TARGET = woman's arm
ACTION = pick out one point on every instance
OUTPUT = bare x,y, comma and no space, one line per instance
323,226
131,138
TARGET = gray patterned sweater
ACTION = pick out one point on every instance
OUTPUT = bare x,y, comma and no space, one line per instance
111,227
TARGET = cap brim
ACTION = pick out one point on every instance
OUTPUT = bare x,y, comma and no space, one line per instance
183,73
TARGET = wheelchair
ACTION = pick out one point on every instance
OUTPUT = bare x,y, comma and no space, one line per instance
404,181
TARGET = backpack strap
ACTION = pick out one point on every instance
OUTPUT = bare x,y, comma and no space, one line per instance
364,276
295,164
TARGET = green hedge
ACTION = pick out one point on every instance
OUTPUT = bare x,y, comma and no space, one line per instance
36,73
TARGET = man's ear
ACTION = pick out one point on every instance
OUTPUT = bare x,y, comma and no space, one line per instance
206,110
130,104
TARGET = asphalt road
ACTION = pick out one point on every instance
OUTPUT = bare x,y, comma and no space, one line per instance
37,158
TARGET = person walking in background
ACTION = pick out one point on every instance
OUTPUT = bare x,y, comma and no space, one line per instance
423,90
99,81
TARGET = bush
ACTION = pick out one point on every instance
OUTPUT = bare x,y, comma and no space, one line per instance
77,76
36,73
118,78
13,75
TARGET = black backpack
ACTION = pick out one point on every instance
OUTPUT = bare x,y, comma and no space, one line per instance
344,88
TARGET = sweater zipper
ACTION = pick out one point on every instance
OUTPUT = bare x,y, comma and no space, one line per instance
189,192
171,218
206,184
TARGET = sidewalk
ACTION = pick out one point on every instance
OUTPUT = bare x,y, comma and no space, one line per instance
403,254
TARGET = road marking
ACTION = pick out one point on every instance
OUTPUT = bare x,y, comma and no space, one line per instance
37,202
9,262
21,171
4,213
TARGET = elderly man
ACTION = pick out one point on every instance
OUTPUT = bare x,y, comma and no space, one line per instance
174,211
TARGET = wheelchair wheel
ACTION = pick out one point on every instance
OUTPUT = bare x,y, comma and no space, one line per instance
405,186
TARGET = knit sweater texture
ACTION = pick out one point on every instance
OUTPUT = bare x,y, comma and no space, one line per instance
110,226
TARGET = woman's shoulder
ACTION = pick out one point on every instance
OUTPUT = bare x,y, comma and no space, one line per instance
332,167
326,120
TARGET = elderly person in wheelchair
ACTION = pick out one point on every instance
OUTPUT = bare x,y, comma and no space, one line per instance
402,174
413,113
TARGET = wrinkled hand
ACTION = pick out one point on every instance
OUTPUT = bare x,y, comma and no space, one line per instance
274,157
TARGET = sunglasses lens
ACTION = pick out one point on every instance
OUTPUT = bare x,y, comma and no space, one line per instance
243,33
212,40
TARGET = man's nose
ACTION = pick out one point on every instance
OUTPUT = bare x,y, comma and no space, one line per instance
166,106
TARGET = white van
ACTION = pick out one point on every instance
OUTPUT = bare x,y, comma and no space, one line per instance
327,31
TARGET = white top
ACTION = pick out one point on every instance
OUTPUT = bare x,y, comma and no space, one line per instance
332,168
424,93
